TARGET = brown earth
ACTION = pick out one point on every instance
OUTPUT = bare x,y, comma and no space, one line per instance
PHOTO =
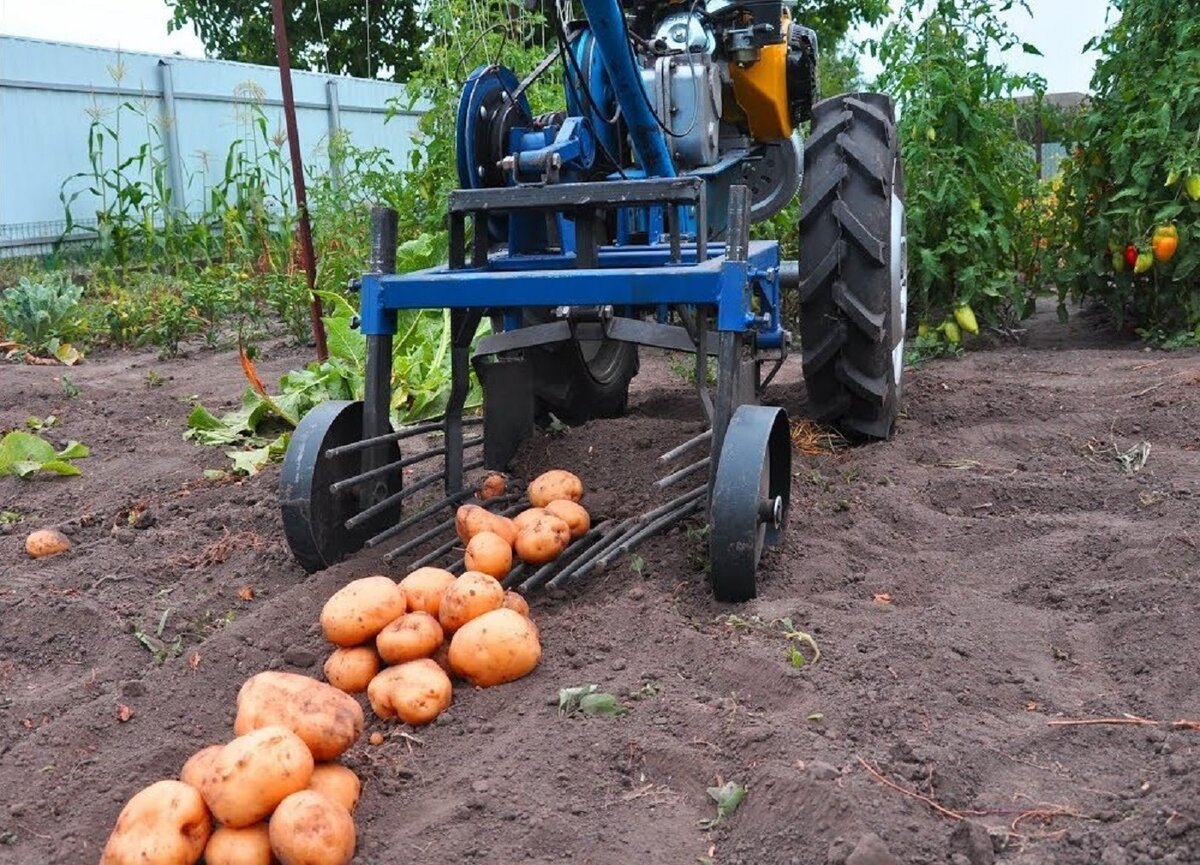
1030,577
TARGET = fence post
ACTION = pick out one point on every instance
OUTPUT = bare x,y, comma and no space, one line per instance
335,128
171,128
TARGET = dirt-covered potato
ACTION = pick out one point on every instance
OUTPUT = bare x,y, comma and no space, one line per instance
358,610
471,595
352,669
254,773
46,542
412,636
543,540
495,648
328,720
492,486
470,520
489,554
424,588
525,519
165,823
552,485
516,601
338,782
247,846
311,829
415,692
576,517
198,764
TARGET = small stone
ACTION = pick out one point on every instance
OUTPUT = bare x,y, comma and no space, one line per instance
480,786
618,664
17,809
971,840
297,657
870,850
823,771
1177,765
637,593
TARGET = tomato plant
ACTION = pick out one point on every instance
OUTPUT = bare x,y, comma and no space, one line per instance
1136,149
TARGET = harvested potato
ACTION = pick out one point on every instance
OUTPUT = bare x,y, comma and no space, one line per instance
164,823
471,595
358,610
470,520
493,485
328,720
442,658
489,554
424,588
524,519
351,670
250,845
310,829
516,601
198,764
46,542
576,517
412,636
495,648
552,485
543,540
254,773
338,782
415,692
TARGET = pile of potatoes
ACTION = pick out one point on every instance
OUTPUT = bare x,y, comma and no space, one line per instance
272,794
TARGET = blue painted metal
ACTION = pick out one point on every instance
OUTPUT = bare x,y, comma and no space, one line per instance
599,104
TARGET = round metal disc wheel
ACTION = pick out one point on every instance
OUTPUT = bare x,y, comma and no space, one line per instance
582,380
314,517
774,178
854,266
750,497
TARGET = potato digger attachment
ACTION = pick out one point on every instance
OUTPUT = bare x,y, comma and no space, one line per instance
624,221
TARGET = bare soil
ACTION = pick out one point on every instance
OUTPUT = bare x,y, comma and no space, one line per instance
992,569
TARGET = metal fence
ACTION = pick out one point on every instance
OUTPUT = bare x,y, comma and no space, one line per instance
193,111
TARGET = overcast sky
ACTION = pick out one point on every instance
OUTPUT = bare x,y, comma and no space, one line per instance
1058,27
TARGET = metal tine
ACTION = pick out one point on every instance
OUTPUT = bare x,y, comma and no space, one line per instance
676,452
543,573
419,539
409,490
346,483
418,517
437,452
430,558
661,524
587,561
511,577
457,567
674,477
397,435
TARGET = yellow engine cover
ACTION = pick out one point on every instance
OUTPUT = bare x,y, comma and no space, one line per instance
761,92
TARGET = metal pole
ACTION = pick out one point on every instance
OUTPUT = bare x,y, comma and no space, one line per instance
335,128
289,113
170,122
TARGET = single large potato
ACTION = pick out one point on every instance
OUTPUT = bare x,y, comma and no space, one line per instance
338,782
495,648
198,764
524,519
424,588
351,670
254,773
46,542
358,610
578,520
166,824
470,520
310,829
471,595
543,540
412,636
248,846
415,692
489,554
552,485
328,720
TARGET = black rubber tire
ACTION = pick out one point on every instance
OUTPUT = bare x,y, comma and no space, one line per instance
851,303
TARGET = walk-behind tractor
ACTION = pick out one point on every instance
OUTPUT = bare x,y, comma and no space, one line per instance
623,220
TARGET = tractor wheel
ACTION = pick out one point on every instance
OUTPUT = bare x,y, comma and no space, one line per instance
853,266
583,379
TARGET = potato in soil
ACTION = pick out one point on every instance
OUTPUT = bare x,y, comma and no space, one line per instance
415,692
412,636
543,540
358,610
470,520
471,595
554,484
46,542
492,486
254,773
250,845
498,647
489,554
338,782
311,829
576,517
328,720
516,601
165,823
424,588
197,765
352,669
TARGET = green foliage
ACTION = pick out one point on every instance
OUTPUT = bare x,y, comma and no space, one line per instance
967,172
729,797
42,314
23,454
1137,143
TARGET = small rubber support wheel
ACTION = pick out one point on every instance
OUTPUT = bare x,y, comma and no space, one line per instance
314,518
581,380
750,498
853,266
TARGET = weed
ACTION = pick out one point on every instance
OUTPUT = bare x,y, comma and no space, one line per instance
818,480
637,564
919,351
44,314
8,518
683,365
69,388
152,379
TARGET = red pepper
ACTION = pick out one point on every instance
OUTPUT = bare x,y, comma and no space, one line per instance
1131,255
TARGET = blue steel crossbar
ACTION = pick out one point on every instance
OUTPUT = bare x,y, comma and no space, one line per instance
552,281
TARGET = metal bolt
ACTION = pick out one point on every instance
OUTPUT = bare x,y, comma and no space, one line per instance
771,511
